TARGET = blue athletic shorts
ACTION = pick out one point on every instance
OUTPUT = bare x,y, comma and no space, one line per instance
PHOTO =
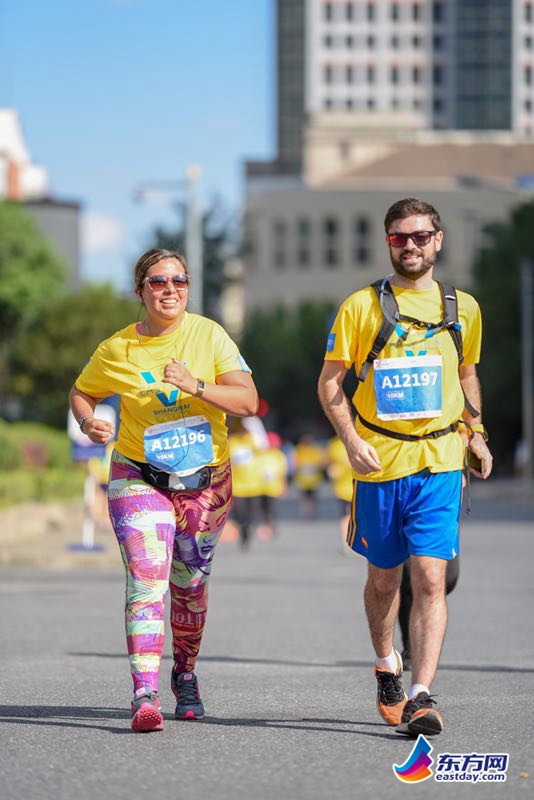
413,516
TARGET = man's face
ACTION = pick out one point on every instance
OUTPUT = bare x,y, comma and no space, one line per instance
409,259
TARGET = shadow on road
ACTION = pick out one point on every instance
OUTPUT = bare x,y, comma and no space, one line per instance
315,664
65,716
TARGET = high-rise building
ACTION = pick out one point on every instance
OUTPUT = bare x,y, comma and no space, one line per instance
431,64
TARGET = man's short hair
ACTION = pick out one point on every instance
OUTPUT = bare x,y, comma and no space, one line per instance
410,207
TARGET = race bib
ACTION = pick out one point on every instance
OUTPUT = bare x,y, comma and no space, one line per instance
409,387
180,447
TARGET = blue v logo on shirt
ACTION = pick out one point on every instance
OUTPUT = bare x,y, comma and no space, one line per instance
166,400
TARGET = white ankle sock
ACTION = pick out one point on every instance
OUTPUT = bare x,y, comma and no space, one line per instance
388,664
416,688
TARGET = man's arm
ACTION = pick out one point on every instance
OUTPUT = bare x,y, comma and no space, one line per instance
362,456
471,387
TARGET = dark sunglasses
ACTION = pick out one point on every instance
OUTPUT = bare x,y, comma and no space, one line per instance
159,282
419,238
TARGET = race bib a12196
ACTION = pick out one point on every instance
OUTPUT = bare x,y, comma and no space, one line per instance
181,447
409,387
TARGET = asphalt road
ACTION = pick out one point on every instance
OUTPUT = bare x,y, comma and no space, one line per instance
285,673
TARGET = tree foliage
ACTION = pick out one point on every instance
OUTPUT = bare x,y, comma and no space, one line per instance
285,350
497,288
51,353
30,273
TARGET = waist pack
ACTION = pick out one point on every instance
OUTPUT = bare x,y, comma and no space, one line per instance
171,482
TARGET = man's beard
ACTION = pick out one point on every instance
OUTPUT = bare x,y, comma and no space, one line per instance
411,272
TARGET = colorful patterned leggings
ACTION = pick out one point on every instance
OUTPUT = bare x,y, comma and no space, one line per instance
167,539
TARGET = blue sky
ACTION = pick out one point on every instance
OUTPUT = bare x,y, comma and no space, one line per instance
112,93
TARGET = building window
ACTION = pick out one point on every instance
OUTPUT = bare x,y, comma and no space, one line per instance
416,74
303,242
437,75
528,12
528,42
327,41
416,12
416,103
361,242
328,11
349,73
327,103
349,11
344,147
438,12
370,12
327,73
394,74
370,42
349,103
395,103
437,42
437,105
370,73
528,106
330,241
395,42
416,42
349,41
528,75
394,11
370,103
279,243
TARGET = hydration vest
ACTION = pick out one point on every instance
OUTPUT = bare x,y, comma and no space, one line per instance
391,322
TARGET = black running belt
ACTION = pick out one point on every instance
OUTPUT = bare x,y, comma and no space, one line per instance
410,437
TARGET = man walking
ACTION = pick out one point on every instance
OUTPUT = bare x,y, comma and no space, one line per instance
414,344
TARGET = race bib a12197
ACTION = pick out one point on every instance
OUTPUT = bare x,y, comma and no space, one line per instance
409,387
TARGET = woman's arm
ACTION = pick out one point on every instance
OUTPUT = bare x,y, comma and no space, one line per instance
233,392
83,406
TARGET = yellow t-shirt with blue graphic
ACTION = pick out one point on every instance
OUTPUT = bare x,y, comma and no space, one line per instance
351,338
132,365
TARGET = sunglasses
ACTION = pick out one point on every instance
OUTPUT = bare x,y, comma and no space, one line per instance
419,238
159,282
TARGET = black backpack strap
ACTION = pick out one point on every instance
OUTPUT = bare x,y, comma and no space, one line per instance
390,318
449,301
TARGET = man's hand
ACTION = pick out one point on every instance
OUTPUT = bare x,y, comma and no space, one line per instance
363,456
478,446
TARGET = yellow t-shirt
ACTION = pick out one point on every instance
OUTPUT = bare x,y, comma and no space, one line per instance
339,470
351,338
131,365
246,478
309,464
272,467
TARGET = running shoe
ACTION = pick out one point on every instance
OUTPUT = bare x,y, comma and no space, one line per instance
188,702
420,716
390,698
146,711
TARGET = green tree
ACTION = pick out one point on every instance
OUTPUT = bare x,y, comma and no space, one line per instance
497,288
285,349
31,276
217,235
51,353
